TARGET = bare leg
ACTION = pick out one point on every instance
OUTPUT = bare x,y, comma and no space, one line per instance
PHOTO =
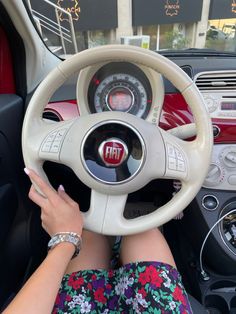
95,253
147,246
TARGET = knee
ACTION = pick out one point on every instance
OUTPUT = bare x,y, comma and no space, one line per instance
153,233
91,236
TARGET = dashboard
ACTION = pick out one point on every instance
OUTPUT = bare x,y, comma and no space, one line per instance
137,90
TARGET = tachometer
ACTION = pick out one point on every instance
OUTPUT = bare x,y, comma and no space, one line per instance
121,92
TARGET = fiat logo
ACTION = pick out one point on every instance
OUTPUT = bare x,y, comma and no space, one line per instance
113,152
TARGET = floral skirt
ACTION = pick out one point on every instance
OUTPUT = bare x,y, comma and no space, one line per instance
141,287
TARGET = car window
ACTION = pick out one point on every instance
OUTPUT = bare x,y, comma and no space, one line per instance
70,26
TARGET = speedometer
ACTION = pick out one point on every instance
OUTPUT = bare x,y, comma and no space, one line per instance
121,92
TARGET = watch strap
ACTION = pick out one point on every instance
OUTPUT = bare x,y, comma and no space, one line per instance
70,237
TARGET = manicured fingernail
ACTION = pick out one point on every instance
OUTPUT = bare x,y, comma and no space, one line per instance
26,171
61,187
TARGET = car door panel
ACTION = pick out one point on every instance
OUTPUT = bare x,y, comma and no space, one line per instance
11,166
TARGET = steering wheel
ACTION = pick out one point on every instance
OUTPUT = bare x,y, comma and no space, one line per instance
116,153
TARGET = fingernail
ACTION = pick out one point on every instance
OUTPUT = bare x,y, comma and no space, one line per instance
61,187
26,171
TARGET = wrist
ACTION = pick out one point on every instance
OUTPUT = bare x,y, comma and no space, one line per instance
67,248
73,239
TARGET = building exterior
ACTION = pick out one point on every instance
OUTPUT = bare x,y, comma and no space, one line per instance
168,24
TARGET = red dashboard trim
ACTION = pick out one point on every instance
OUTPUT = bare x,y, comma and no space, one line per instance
67,109
175,113
227,130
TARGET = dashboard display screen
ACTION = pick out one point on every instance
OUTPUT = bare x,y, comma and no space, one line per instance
120,99
228,105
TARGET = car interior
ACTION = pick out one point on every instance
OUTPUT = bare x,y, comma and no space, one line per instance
171,113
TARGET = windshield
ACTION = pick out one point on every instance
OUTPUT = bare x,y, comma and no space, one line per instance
69,26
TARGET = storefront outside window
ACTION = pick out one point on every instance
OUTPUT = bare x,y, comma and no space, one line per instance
222,22
152,31
100,37
170,24
167,21
93,24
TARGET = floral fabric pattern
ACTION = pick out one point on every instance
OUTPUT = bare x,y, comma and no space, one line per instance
141,287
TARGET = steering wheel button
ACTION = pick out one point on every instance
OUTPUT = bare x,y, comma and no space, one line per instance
51,136
172,163
55,147
46,147
179,155
180,166
60,134
170,151
57,142
232,179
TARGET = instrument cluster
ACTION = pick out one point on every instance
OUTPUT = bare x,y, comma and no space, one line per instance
120,86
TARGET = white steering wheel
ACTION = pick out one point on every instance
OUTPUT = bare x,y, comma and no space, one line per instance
116,153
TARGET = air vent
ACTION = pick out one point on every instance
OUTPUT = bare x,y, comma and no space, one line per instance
188,70
216,81
51,115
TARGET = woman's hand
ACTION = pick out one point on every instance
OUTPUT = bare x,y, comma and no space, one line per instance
59,213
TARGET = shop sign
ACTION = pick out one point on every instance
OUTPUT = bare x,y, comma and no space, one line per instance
234,6
172,9
73,8
222,9
86,14
152,12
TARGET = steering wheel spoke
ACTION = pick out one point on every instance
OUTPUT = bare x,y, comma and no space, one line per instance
105,213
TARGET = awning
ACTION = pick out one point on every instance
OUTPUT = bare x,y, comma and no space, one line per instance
153,12
222,9
86,14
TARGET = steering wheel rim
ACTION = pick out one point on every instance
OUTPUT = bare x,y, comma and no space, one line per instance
108,201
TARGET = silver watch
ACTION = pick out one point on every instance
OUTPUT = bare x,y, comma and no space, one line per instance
70,237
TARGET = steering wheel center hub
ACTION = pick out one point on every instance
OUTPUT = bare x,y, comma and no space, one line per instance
113,152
